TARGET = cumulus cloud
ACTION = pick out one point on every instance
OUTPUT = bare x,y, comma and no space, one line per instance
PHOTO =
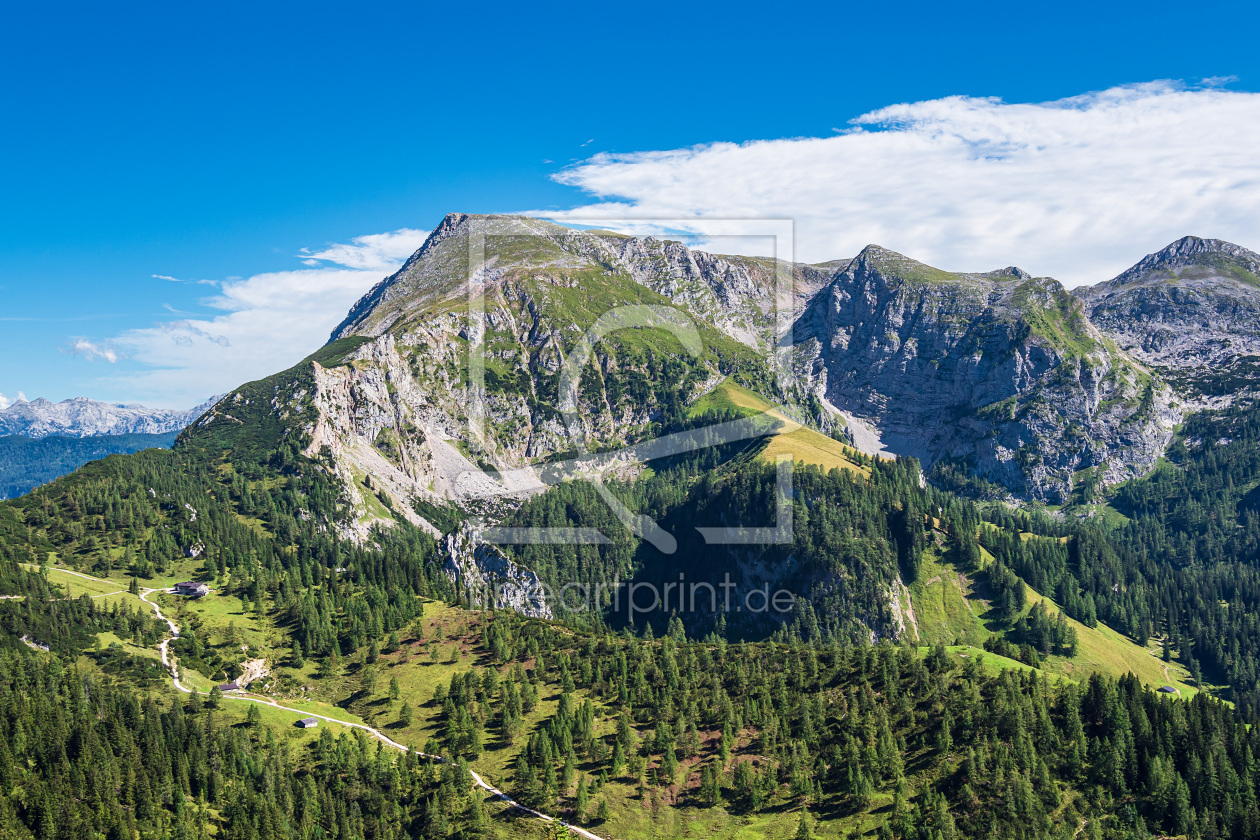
92,351
5,401
1078,188
256,325
375,252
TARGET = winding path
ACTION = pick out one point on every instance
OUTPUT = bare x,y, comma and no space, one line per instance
169,661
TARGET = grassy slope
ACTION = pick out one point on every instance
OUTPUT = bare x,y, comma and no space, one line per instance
945,608
951,607
797,442
1104,649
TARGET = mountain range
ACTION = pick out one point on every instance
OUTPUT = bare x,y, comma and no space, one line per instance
42,440
990,638
82,417
1000,383
1010,379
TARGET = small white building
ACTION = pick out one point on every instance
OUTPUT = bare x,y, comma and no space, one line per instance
192,588
308,723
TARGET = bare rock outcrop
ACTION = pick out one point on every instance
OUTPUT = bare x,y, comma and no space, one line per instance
1191,312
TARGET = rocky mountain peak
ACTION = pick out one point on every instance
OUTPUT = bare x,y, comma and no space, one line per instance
438,269
1188,247
877,263
1191,311
1189,258
1000,370
996,370
1011,272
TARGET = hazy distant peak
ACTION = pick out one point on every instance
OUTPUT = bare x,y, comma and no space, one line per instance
85,417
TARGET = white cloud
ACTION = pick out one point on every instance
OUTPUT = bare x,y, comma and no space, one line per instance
171,279
376,252
92,351
260,324
6,401
1078,189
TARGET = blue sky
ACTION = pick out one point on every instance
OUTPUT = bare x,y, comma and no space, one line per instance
215,142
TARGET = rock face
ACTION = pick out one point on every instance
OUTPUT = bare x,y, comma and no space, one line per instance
1192,313
1001,371
403,418
81,417
490,579
442,386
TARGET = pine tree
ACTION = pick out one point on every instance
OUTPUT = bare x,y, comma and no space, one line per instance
805,826
618,762
745,785
581,801
478,822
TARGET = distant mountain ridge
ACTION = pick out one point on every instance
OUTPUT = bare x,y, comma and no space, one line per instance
81,417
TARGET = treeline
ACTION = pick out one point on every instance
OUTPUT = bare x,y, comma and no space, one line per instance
1183,568
1045,564
265,529
1194,542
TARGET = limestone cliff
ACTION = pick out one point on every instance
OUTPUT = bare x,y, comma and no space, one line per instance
1001,371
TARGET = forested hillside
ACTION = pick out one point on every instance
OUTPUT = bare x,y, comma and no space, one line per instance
817,726
1188,554
83,757
612,733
